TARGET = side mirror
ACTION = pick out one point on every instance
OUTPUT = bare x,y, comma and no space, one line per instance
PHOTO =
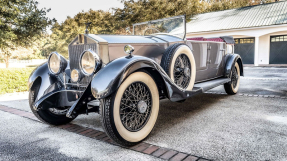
129,50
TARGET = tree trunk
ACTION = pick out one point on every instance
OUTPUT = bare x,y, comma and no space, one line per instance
7,61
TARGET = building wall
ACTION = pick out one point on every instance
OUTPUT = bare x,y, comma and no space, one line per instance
264,46
264,49
259,33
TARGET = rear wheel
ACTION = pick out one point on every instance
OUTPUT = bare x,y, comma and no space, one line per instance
233,86
53,116
129,115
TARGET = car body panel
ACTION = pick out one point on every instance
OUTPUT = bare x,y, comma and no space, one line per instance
42,75
104,84
213,67
209,58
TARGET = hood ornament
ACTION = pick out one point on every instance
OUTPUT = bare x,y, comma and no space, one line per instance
87,27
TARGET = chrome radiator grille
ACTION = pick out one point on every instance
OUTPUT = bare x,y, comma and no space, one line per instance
75,52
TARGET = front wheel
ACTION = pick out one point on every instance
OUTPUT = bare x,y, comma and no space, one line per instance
52,116
129,115
233,86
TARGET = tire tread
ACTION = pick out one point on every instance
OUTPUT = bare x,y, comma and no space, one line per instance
228,86
167,56
107,122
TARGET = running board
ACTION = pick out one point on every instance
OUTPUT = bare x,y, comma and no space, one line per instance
205,86
198,88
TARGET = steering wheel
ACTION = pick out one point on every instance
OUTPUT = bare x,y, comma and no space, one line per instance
150,29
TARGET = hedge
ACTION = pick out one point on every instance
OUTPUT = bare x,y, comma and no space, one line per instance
14,79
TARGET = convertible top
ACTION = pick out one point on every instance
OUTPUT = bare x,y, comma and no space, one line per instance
228,39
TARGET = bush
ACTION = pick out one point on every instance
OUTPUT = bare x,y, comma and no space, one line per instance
14,79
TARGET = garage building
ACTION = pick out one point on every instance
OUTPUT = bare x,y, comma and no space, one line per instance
260,31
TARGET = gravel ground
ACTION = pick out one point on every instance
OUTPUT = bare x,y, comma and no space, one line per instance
262,81
24,139
213,126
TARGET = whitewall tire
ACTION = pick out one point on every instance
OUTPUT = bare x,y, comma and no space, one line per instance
129,115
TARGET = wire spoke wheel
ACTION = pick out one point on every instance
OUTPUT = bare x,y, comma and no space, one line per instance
181,71
135,106
130,113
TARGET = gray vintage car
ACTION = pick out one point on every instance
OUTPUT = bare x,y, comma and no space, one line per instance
123,77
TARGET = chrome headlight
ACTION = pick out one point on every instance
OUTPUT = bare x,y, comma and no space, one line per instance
56,63
89,62
75,75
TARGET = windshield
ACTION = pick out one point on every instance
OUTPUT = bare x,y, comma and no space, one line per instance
172,26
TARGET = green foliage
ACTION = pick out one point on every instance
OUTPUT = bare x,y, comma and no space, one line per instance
62,34
14,79
21,15
134,11
21,24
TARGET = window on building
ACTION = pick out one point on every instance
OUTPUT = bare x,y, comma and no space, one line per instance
246,41
236,41
279,38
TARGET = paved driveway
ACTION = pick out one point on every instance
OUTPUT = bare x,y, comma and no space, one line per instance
251,125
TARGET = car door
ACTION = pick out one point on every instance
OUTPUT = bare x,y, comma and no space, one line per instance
215,61
200,54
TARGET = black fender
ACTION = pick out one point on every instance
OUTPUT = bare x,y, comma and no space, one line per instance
42,75
51,92
230,62
108,79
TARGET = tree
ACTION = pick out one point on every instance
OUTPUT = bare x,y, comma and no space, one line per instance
134,11
62,34
21,23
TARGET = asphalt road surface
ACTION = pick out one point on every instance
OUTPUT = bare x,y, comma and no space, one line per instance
251,125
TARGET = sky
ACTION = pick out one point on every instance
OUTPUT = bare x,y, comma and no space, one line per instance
60,9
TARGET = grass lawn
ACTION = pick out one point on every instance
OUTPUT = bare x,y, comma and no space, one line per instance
14,79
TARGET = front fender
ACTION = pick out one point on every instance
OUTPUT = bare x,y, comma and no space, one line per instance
231,60
108,79
42,75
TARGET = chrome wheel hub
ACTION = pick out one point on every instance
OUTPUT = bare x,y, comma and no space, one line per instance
186,71
142,106
181,71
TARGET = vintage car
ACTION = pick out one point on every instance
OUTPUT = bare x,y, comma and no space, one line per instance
123,77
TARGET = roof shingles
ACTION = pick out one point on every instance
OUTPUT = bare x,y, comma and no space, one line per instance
252,16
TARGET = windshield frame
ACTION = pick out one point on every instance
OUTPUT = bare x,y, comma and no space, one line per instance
169,18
